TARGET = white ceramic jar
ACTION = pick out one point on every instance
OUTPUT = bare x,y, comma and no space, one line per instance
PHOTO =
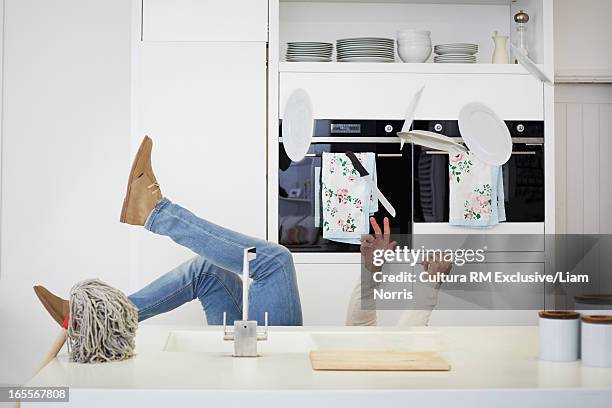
596,336
414,45
559,335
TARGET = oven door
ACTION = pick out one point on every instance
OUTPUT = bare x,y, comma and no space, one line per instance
523,177
299,202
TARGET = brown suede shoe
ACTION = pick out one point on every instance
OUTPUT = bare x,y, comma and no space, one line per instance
57,307
143,192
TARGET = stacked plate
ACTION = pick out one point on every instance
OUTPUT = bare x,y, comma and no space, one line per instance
365,49
458,53
309,52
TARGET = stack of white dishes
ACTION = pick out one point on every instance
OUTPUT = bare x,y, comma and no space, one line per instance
309,52
459,53
365,49
414,45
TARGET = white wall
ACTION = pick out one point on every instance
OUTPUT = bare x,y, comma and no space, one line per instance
583,115
582,40
584,170
65,158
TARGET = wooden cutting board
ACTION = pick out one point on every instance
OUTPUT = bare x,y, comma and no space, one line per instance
377,361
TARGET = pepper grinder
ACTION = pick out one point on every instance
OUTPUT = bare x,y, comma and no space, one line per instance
521,18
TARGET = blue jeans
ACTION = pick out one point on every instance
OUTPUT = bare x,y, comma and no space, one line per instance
214,275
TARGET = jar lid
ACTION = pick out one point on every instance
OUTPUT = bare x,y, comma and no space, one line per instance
594,299
559,314
597,319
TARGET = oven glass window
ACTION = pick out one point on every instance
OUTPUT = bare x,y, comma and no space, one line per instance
300,219
523,177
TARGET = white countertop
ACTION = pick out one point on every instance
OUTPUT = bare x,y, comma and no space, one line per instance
486,360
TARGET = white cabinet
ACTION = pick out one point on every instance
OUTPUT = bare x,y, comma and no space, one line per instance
205,20
375,95
199,90
204,106
325,291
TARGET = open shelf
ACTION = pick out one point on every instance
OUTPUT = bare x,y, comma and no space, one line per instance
398,67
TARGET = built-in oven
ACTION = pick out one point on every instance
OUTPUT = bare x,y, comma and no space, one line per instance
523,174
299,203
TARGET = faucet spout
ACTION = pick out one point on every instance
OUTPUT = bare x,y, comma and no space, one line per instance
245,334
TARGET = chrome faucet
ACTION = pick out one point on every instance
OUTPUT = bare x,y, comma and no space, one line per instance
245,334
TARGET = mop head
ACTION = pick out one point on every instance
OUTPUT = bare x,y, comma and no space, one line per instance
103,323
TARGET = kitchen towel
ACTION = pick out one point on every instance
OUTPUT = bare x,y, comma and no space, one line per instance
347,200
476,192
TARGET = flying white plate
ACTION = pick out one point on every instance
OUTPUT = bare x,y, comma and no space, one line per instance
485,134
297,125
529,65
409,117
432,140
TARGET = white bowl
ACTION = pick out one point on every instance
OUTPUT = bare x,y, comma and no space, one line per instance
412,33
414,53
410,43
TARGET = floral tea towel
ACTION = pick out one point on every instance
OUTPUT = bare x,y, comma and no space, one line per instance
476,192
347,200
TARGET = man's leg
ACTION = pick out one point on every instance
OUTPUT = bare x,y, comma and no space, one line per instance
217,289
274,287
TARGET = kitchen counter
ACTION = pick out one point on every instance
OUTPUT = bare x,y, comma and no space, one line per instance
193,366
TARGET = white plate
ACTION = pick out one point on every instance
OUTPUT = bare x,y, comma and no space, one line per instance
454,62
463,51
309,50
310,47
460,45
308,59
366,39
290,57
366,59
366,45
311,54
309,44
485,134
389,49
529,65
295,47
456,54
297,125
432,140
454,59
366,54
409,117
321,47
364,49
450,47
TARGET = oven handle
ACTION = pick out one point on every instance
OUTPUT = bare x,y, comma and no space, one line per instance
513,153
328,140
381,155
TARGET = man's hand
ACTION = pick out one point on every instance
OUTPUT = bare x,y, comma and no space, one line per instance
380,240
